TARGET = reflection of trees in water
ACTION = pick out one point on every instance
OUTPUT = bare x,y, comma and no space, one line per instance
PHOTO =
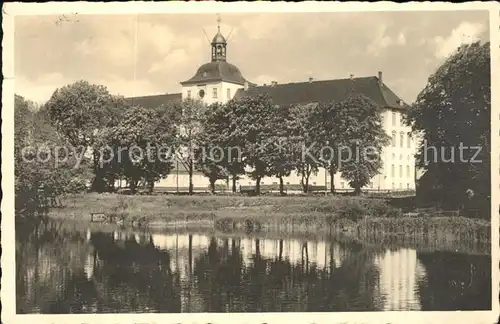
226,283
46,257
455,281
60,271
122,275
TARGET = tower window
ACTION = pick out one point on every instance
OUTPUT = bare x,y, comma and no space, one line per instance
408,171
214,93
400,171
401,139
189,94
393,139
392,171
394,118
228,93
408,140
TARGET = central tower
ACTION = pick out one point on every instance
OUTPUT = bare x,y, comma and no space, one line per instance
219,45
218,80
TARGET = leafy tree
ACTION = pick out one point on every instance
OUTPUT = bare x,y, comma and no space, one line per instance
331,126
188,116
80,111
257,119
211,156
225,127
43,160
362,129
282,143
453,110
306,152
145,140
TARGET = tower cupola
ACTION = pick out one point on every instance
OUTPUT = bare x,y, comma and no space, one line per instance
219,45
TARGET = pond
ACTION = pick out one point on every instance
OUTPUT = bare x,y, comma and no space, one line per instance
64,268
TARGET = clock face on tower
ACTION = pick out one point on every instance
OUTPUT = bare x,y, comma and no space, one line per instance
201,93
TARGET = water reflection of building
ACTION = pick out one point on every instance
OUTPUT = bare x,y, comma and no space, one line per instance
295,251
400,272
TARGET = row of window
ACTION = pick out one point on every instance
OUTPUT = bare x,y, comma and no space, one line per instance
214,93
401,139
393,171
408,157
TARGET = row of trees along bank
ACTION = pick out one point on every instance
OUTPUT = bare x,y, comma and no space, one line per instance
251,133
454,106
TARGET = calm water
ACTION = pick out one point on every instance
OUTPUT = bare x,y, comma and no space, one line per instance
61,269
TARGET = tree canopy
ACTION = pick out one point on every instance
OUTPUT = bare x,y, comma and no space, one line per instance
453,111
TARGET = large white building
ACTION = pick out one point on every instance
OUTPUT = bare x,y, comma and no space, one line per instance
220,81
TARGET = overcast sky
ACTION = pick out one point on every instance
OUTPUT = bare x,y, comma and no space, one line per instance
151,54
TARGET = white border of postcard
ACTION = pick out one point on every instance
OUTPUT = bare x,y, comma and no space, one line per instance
10,10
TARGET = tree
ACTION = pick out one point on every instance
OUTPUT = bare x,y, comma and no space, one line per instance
210,157
225,123
42,160
363,131
257,119
453,111
80,111
281,158
331,126
306,152
145,140
188,116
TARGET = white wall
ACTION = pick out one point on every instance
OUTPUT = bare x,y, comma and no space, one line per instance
221,88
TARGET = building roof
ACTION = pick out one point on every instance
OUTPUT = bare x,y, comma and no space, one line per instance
218,38
154,101
217,71
327,91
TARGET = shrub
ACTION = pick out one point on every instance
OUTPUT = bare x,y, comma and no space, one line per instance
352,211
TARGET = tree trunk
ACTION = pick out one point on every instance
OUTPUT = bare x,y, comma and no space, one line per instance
191,177
305,182
257,186
151,186
332,183
234,183
282,189
133,186
98,183
357,190
212,186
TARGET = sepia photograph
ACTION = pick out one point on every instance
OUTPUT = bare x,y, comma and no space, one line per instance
252,162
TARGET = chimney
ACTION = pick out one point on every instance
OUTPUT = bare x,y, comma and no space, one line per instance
380,78
311,80
246,86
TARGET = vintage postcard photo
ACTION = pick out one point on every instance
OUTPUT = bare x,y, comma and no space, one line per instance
250,162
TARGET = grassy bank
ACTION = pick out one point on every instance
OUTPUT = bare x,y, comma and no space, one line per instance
364,218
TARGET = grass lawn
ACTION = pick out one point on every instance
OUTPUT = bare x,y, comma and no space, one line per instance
356,215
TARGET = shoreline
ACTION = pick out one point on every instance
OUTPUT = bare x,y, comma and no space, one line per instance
363,219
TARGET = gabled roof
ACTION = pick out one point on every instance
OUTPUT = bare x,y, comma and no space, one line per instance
327,91
154,101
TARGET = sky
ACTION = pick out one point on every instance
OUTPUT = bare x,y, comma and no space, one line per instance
146,54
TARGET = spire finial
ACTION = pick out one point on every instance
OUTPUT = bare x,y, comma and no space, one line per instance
218,21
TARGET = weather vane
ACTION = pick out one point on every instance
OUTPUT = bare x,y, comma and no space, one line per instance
218,21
